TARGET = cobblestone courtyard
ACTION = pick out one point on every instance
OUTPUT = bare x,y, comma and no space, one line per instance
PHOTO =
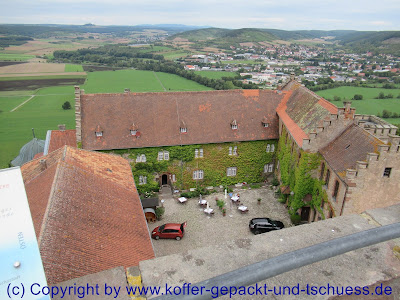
203,230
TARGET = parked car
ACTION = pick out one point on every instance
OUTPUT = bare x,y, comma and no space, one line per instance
261,225
169,231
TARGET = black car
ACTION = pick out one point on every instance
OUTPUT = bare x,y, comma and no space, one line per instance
261,225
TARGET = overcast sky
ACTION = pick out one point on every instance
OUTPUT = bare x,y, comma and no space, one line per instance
286,14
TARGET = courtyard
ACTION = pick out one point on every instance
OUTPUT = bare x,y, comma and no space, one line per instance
207,230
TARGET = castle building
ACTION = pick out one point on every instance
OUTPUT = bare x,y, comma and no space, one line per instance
328,159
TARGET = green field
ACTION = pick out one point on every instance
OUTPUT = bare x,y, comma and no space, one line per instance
43,112
15,57
368,105
66,76
215,74
138,81
73,68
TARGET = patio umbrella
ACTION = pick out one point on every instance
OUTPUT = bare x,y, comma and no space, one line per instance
208,206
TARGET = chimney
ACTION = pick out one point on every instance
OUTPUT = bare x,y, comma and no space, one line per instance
43,165
61,127
78,114
348,111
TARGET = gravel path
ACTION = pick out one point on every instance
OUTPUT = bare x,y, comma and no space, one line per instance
203,230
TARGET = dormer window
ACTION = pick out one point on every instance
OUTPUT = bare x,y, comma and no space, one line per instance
99,131
234,125
133,129
183,127
265,122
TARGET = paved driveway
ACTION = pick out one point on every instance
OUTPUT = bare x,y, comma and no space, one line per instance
203,230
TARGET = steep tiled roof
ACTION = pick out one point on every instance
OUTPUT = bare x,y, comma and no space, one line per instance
60,138
86,212
348,148
303,111
158,116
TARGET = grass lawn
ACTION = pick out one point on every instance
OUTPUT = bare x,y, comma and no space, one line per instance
171,55
43,112
137,81
215,74
368,105
73,68
15,57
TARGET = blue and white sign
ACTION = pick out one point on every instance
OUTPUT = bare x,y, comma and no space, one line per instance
20,262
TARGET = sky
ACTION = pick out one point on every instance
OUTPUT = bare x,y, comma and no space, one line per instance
288,14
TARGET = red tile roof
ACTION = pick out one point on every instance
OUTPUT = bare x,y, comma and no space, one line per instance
86,212
207,116
60,138
349,147
303,111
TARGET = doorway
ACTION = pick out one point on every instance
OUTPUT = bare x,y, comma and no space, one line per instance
164,179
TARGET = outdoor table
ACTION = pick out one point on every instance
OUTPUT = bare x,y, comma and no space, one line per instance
235,198
203,202
182,199
243,208
209,211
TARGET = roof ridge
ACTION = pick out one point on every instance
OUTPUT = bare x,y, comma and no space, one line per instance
49,204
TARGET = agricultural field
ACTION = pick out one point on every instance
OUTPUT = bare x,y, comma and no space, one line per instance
73,68
15,57
215,74
242,62
43,111
138,81
369,105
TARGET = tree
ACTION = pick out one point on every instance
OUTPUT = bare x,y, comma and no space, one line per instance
386,113
381,95
358,97
66,105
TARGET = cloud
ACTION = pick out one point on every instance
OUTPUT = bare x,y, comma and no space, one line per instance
288,14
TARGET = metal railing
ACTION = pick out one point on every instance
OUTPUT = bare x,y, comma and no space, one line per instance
289,261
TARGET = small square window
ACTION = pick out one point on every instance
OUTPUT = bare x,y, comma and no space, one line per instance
201,153
231,171
166,155
196,153
160,155
173,177
99,133
198,174
142,180
235,150
272,148
143,158
183,129
270,168
265,125
234,126
230,150
133,132
268,148
387,172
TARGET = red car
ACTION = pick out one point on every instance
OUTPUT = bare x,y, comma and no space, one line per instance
169,231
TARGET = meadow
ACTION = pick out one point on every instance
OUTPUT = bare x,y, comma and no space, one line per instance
369,105
15,57
73,68
138,81
44,112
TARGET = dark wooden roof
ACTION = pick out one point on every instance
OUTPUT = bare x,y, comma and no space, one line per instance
349,147
158,117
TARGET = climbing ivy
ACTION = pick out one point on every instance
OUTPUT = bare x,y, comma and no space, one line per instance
298,171
249,161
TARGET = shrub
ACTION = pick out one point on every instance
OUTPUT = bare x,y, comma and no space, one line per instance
159,212
295,218
66,105
275,181
358,97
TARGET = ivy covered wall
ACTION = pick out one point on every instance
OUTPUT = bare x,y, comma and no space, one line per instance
249,161
298,170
